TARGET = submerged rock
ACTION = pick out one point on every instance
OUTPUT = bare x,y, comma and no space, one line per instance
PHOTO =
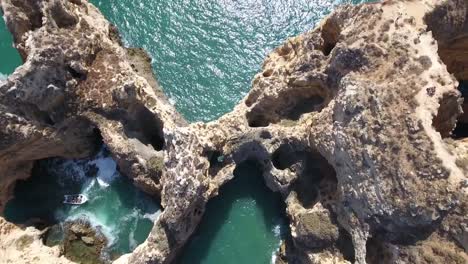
351,122
83,243
53,235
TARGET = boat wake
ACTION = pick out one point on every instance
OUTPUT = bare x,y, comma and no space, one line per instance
121,212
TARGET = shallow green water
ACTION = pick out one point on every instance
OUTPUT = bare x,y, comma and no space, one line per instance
244,225
9,56
205,53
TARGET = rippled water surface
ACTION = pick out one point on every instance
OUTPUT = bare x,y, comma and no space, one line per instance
207,51
123,213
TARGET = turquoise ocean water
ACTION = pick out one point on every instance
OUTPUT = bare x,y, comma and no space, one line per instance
243,225
205,53
9,57
124,214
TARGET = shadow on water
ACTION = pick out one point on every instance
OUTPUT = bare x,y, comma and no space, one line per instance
244,224
39,197
124,213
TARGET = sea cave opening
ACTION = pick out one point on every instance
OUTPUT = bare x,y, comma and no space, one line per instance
316,182
145,126
451,45
315,174
461,128
330,35
116,218
216,159
377,252
449,121
244,224
290,107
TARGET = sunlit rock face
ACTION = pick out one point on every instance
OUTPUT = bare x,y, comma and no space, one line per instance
351,122
78,84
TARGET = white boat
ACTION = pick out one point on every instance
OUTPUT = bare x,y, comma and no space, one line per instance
75,199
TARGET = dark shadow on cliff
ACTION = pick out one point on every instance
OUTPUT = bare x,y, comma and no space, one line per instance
219,232
461,129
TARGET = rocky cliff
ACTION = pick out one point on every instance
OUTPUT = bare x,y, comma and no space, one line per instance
353,123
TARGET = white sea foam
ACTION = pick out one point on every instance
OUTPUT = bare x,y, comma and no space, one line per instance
107,170
132,241
108,230
277,230
3,77
152,216
69,170
131,236
76,170
129,217
111,222
273,258
151,211
172,101
274,255
88,186
131,220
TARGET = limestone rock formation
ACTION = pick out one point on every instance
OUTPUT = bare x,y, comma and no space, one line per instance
357,123
77,84
25,246
82,243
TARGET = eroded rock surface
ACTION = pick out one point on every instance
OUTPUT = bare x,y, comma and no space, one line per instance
25,246
78,84
351,122
82,243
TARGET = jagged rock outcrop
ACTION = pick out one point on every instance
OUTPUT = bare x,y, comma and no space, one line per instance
25,246
351,122
350,117
77,84
83,244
